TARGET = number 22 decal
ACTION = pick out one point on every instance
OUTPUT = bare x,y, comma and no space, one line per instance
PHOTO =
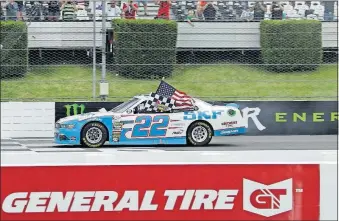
145,128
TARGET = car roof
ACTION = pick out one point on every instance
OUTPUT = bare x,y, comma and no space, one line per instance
143,96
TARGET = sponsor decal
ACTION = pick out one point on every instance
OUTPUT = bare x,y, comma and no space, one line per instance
93,119
288,117
284,117
117,128
74,109
178,124
87,116
257,192
231,112
116,117
229,123
117,125
73,138
178,132
127,122
232,131
252,113
201,115
268,200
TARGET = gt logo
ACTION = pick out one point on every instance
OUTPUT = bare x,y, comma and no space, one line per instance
193,115
267,200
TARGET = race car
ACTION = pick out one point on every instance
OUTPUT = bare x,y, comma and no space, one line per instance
129,124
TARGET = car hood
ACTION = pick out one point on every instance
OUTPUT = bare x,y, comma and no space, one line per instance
86,116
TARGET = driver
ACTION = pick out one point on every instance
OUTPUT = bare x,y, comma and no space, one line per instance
140,108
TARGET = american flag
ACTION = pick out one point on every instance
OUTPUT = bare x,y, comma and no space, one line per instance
182,100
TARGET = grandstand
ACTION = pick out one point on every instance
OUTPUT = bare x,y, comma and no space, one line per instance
224,10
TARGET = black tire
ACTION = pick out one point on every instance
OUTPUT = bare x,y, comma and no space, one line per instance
195,125
99,128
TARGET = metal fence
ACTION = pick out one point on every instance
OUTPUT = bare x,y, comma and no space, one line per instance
74,67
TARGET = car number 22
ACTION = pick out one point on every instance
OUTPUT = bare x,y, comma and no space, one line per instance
148,126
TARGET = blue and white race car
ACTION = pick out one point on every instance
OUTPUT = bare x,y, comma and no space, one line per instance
129,124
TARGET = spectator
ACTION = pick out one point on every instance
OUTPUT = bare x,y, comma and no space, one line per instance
200,8
210,10
2,13
114,11
81,4
53,10
308,10
248,14
301,8
244,5
318,10
20,8
33,10
238,9
130,9
293,15
277,11
259,11
328,10
190,17
288,8
12,10
144,3
335,11
68,9
164,9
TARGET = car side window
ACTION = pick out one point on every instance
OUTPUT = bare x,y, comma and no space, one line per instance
140,109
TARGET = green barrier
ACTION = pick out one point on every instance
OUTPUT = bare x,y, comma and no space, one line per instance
291,45
144,48
14,53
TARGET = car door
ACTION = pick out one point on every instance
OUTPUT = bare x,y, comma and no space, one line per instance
155,127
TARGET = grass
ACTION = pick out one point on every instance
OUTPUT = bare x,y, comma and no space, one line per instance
212,82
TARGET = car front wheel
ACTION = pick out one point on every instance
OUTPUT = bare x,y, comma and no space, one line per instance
199,134
94,135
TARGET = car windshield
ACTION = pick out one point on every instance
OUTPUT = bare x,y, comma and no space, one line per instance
124,106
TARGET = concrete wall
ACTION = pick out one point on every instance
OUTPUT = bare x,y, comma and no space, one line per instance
202,35
27,119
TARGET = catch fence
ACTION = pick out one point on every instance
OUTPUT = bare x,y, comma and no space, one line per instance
50,57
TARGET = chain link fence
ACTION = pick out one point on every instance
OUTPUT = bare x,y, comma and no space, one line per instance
65,50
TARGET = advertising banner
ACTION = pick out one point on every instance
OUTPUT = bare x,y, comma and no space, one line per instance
261,117
161,192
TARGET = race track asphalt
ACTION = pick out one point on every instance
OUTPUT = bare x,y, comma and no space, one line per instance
235,143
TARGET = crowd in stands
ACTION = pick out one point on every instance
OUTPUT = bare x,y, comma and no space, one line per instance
189,10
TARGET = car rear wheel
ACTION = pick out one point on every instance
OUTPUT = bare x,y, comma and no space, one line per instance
94,135
199,134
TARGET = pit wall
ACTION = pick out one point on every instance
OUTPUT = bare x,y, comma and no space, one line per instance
189,185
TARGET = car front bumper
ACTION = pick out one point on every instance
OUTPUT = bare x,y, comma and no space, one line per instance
67,136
